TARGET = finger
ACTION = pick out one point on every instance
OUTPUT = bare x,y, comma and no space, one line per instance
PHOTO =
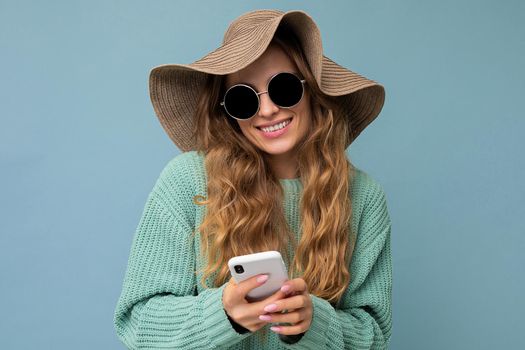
293,286
277,295
290,317
298,328
294,302
253,282
257,308
231,283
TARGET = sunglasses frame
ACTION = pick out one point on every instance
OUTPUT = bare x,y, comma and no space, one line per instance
302,81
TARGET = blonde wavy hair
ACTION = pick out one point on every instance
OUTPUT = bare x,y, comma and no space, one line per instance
244,211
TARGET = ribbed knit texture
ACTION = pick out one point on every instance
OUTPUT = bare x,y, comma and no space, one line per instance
163,305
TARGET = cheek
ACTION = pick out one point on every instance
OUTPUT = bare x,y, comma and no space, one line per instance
241,125
245,127
305,112
305,119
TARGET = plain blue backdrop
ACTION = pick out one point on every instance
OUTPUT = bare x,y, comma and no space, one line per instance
80,149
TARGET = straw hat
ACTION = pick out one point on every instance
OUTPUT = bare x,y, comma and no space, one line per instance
175,88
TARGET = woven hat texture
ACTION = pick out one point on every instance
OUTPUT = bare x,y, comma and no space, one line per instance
175,88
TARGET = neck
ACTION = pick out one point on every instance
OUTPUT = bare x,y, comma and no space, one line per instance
283,166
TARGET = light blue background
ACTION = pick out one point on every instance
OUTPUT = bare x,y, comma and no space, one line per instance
80,149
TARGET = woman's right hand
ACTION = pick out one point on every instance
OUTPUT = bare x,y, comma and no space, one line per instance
243,312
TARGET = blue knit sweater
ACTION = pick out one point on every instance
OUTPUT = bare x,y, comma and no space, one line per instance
163,305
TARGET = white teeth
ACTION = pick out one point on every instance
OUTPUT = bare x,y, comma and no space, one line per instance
276,127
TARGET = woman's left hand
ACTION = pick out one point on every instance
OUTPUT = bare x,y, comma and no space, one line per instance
298,306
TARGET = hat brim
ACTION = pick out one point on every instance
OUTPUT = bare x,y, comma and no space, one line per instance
175,88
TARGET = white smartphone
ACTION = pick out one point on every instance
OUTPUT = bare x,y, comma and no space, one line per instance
270,262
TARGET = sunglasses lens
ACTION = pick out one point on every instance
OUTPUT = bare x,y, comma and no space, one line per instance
285,90
241,102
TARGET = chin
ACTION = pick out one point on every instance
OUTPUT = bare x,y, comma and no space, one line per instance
276,151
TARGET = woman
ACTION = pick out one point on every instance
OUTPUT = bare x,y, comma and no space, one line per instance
264,121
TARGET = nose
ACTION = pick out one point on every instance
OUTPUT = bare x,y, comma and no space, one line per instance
267,108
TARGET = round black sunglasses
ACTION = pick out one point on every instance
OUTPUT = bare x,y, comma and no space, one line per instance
242,102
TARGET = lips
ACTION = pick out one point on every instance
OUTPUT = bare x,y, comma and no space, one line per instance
273,124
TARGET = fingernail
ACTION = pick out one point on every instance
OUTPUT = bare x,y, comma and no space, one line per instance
262,278
285,288
275,329
270,308
265,318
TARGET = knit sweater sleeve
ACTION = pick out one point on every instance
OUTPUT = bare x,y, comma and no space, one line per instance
158,306
363,320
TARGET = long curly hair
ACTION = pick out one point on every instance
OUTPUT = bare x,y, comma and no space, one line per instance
244,211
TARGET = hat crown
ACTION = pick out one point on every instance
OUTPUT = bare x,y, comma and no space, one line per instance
248,22
252,28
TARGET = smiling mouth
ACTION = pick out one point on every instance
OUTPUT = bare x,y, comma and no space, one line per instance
277,126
